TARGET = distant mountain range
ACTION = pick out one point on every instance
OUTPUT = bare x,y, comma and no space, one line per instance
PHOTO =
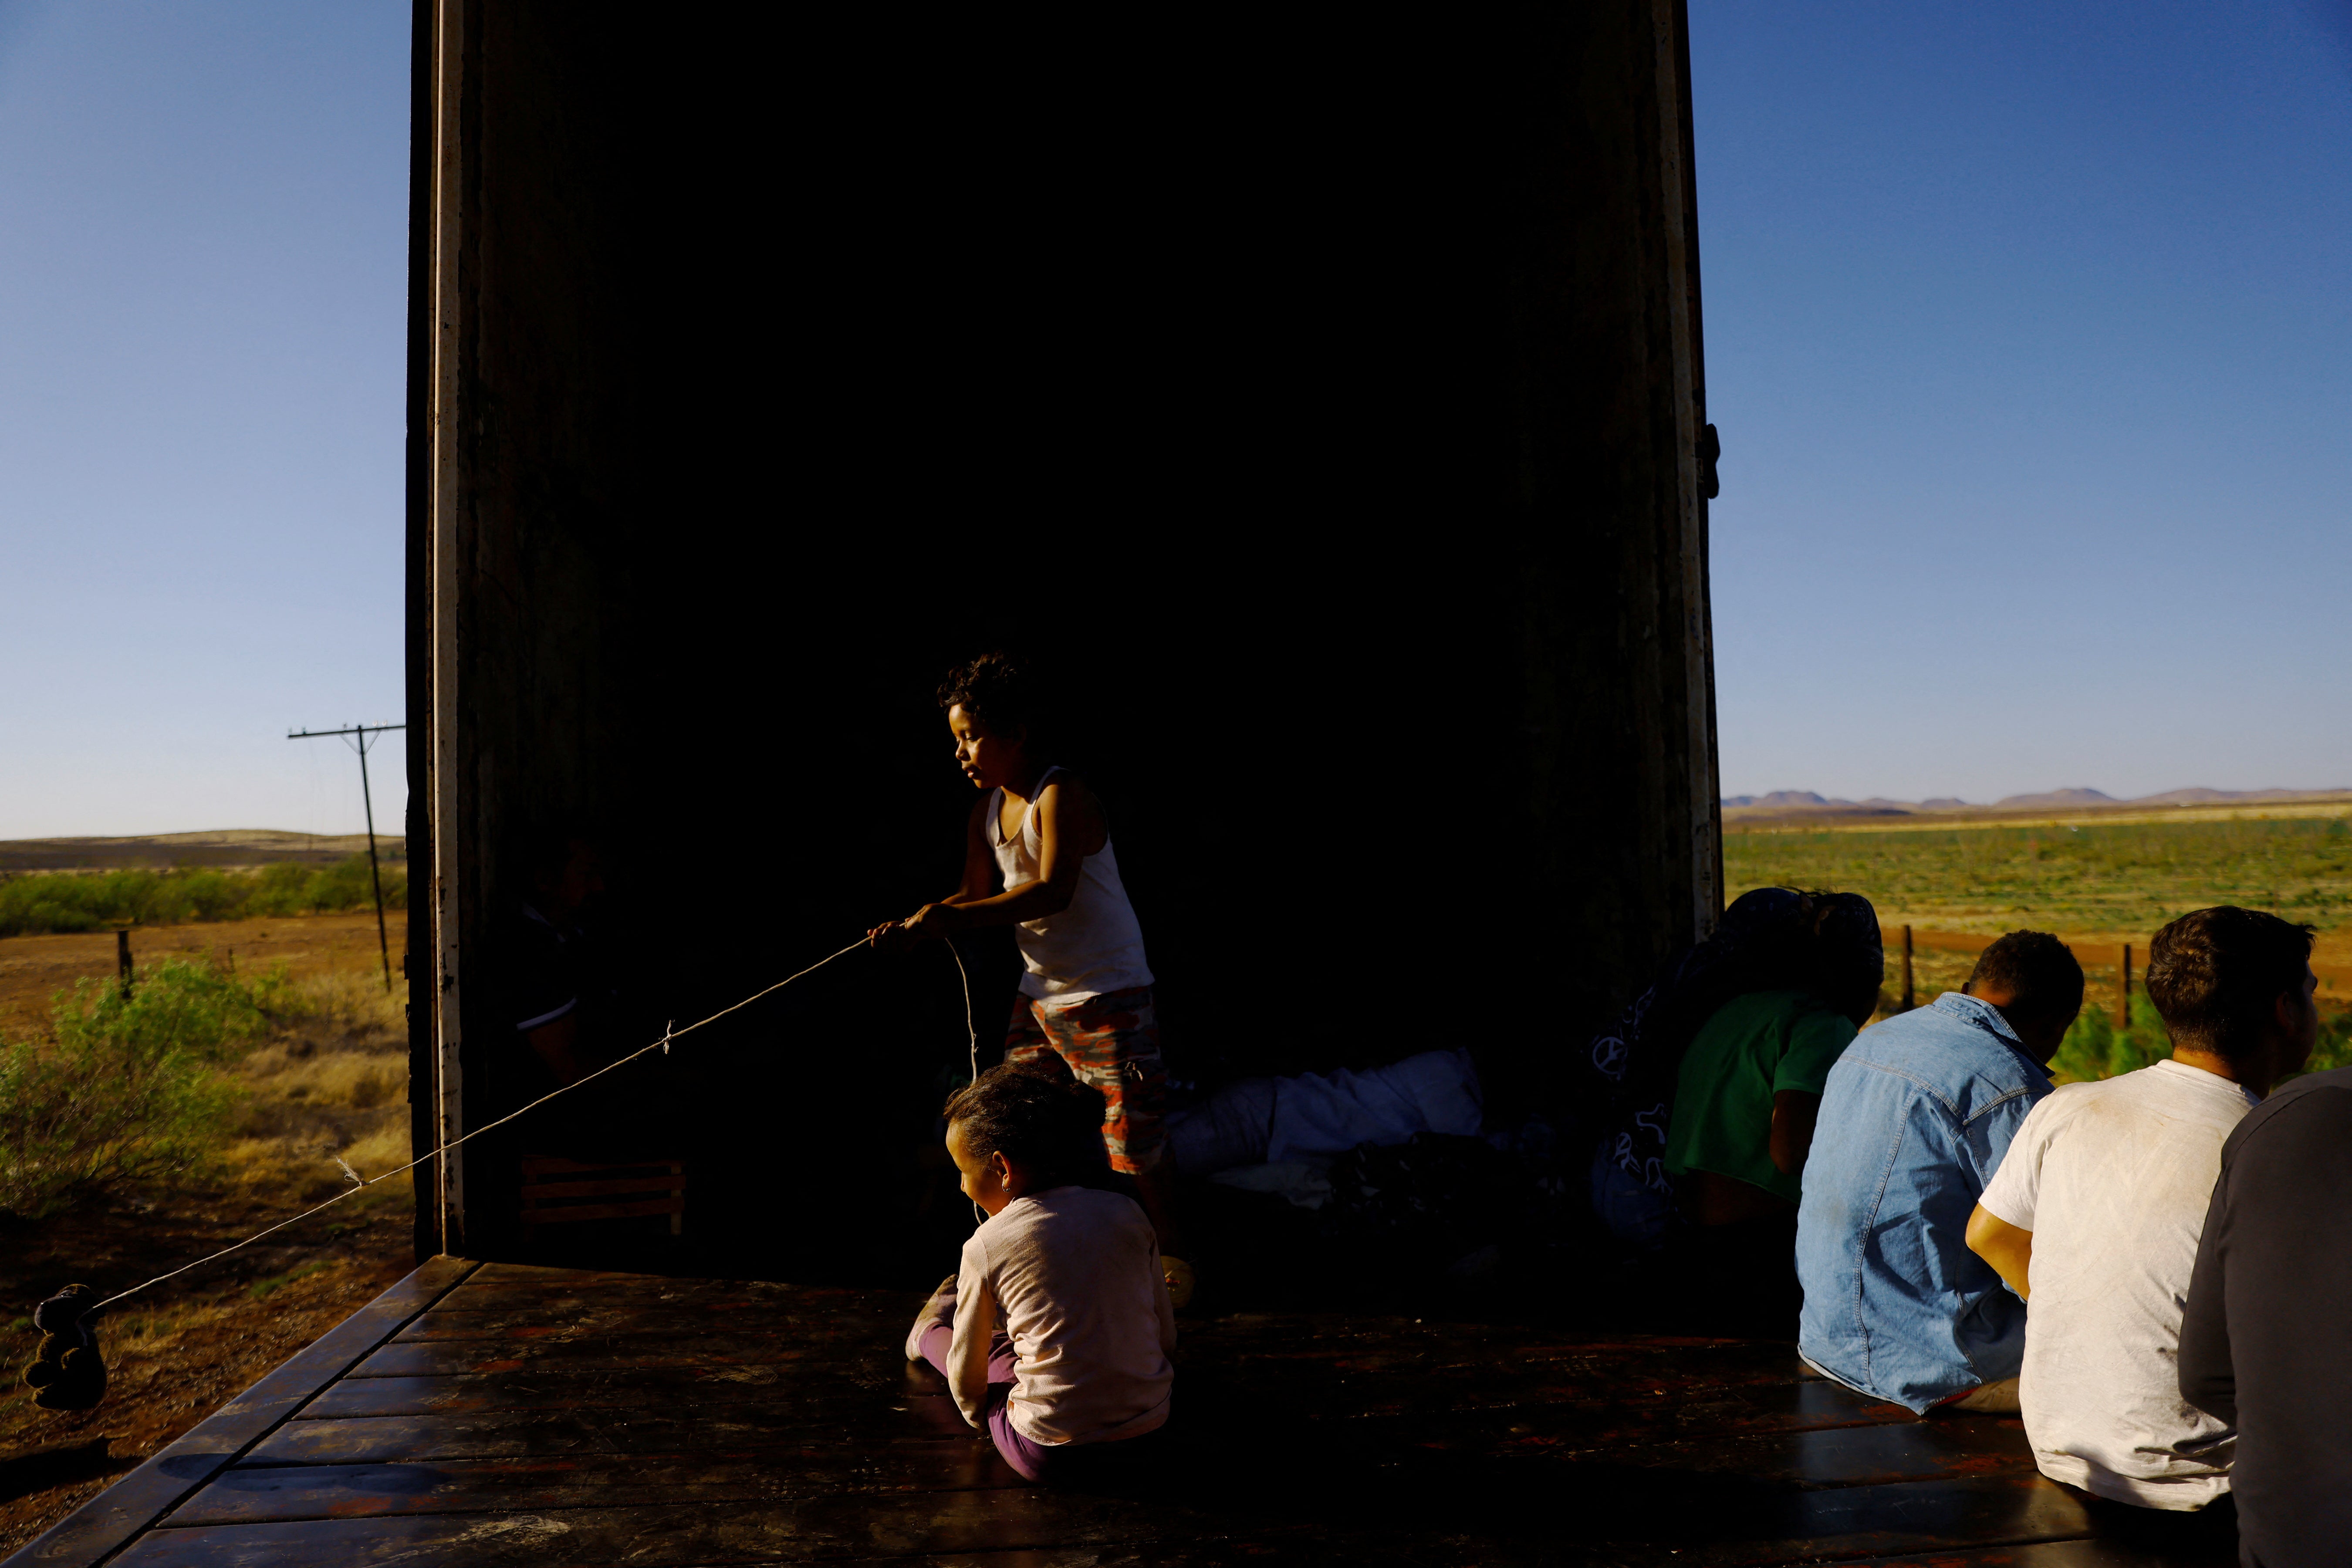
1801,799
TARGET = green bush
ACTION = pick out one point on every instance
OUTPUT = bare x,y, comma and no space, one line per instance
2334,1046
130,1090
58,903
2095,1048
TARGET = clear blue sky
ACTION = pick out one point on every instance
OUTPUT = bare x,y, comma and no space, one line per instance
2030,338
2028,334
202,289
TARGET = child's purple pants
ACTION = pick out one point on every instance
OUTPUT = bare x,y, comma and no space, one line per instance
1034,1460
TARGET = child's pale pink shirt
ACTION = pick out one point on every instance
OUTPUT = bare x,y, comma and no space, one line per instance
1073,1277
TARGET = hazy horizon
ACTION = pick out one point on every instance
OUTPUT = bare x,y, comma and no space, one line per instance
1747,796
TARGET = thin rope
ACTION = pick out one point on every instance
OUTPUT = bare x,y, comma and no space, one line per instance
661,1045
971,1029
972,1032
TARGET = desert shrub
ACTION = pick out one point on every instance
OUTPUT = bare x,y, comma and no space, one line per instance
279,890
174,1005
65,903
343,886
2333,1049
2095,1048
129,1089
61,902
2083,1056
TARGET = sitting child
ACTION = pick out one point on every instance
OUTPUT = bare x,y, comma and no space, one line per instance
1055,1332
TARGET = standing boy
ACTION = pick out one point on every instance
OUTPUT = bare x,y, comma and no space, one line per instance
2094,1215
1085,990
1915,1119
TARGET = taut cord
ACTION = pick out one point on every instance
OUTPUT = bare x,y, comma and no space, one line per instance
669,1034
972,1032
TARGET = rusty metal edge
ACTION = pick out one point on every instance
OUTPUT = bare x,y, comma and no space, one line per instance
110,1520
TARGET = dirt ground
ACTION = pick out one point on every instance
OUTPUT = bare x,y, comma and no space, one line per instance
32,968
177,1353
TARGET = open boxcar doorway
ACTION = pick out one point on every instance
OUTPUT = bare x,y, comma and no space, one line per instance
1321,398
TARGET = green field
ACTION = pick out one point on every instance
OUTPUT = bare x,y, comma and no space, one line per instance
69,900
2131,877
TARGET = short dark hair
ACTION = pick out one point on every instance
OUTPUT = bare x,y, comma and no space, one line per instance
1046,1120
2039,972
1000,690
1849,955
2215,974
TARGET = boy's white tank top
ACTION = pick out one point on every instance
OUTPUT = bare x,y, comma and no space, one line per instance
1095,945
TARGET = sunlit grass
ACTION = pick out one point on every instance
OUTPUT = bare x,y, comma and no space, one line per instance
67,901
2127,876
267,1083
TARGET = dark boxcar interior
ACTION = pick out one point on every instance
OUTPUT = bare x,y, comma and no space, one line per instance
1316,393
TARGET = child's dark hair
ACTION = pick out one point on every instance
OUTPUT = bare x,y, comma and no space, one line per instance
1047,1121
999,690
1849,959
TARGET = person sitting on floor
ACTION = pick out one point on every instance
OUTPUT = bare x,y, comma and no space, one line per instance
1746,1098
2266,1339
1914,1121
2093,1218
1055,1334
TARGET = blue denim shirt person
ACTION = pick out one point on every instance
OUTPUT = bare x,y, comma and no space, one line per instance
1915,1119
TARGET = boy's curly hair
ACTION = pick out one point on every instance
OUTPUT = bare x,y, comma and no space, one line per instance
1047,1121
2216,974
999,689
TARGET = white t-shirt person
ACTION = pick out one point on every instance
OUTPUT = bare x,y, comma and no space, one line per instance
2114,1179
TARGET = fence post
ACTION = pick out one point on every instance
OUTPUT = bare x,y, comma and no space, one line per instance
1908,1003
123,958
2123,991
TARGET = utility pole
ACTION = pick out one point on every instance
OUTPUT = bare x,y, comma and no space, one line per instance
383,941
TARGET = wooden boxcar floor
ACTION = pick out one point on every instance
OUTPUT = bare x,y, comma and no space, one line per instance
504,1414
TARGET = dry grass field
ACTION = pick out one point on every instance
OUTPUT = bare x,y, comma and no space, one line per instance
323,1076
2098,883
33,969
2120,878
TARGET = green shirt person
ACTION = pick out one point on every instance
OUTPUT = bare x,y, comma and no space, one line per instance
1745,1101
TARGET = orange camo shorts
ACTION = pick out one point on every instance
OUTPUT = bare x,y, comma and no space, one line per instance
1112,1044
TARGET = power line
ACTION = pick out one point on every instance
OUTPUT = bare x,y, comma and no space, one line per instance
383,941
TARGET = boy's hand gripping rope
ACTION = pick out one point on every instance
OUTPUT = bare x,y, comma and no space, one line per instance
661,1045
